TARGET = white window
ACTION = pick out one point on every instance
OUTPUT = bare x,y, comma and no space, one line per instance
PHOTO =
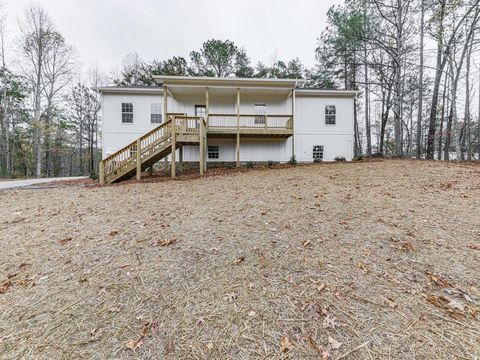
127,113
330,115
156,113
317,153
213,152
260,114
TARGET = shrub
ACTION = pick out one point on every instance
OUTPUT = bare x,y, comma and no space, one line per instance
270,163
317,160
359,157
339,158
293,160
94,176
377,155
250,164
229,166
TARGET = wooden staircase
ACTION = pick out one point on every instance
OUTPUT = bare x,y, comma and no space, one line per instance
154,146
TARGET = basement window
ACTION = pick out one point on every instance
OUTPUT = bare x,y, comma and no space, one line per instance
213,152
127,113
317,153
156,113
330,115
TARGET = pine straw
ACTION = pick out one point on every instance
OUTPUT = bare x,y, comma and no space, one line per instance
378,256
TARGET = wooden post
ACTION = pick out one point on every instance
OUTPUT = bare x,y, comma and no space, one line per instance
180,158
207,112
293,122
165,104
238,129
200,146
139,159
165,98
238,150
174,150
101,172
207,104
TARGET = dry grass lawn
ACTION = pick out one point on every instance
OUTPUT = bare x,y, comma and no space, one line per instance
344,261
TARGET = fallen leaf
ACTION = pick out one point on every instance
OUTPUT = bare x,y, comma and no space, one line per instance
319,348
456,305
240,260
135,344
474,246
334,344
210,346
251,313
330,322
391,303
439,280
64,241
165,242
306,243
114,232
321,287
285,344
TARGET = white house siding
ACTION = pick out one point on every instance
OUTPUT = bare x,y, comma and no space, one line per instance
309,124
256,150
310,128
117,134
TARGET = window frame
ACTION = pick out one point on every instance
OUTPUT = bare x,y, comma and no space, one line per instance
125,107
213,152
318,150
156,112
260,117
329,114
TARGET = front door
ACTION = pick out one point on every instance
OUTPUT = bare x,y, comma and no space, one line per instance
200,110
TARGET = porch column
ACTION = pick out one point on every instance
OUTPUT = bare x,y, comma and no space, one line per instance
238,129
207,112
201,148
293,123
165,98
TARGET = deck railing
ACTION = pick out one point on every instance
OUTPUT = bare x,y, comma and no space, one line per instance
250,121
187,125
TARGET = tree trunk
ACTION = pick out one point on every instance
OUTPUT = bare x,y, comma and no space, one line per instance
442,118
420,85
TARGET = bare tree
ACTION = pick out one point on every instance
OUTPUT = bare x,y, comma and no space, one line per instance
36,31
57,73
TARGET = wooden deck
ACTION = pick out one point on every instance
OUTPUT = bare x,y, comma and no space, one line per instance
180,130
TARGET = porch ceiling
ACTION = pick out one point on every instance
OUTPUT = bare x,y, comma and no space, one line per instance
185,90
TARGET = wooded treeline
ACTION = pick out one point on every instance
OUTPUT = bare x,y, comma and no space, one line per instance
49,118
416,63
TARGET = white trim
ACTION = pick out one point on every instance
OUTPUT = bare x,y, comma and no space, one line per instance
229,81
333,93
125,90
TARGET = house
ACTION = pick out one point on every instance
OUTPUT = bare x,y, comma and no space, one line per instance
221,120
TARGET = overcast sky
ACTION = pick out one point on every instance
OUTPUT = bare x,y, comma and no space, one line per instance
104,31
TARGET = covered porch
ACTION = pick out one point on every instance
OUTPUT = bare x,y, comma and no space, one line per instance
233,108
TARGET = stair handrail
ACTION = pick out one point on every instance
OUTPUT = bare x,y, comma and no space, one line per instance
115,162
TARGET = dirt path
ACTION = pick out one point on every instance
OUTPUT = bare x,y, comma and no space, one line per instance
13,184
